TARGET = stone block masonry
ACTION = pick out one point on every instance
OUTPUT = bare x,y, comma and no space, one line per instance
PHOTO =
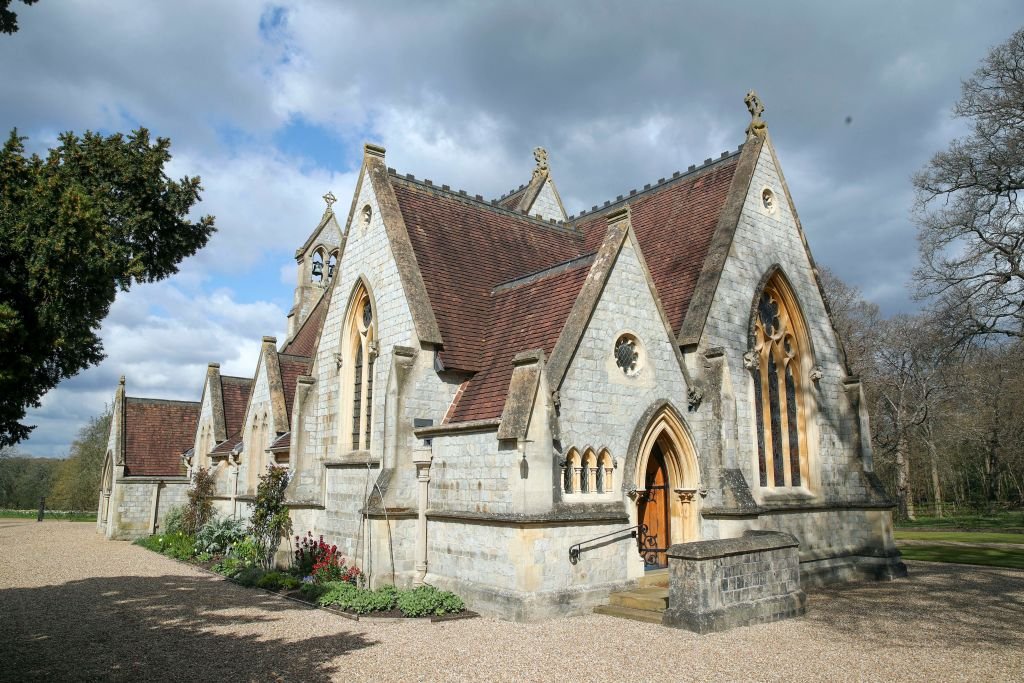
719,585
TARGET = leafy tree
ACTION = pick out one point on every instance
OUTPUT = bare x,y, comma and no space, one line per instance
97,214
24,480
971,227
8,19
270,522
78,478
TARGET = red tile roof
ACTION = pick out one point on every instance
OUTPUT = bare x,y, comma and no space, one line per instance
235,391
465,248
674,224
305,340
291,368
157,432
524,317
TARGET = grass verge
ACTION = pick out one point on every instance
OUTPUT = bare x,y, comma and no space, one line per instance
61,515
995,521
959,536
989,557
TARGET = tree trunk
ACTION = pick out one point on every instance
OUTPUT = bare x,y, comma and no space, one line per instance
904,503
936,484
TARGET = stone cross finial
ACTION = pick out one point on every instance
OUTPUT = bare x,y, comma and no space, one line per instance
540,155
330,199
757,127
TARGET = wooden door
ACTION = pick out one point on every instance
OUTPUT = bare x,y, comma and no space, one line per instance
653,509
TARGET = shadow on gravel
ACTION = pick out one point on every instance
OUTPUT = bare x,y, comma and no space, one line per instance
939,603
157,628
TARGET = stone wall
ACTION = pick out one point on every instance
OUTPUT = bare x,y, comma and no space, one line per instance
600,405
132,504
546,204
721,584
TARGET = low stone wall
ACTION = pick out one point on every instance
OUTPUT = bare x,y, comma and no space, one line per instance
722,584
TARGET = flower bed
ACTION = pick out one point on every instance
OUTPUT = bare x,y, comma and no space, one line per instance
319,576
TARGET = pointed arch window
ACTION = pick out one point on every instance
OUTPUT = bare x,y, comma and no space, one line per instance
359,357
316,273
779,358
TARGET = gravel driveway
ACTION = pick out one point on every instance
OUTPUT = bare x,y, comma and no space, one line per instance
75,607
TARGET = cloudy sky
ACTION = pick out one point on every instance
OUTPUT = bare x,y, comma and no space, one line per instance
270,103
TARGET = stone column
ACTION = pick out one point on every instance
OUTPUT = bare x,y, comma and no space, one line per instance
422,459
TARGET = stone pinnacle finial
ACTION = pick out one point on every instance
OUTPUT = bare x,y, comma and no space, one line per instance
330,199
540,155
757,127
121,381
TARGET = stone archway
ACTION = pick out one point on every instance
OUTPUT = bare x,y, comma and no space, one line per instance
665,480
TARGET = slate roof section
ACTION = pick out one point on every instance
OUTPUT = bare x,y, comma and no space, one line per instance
224,447
156,433
464,248
282,443
674,224
291,368
305,340
235,392
524,317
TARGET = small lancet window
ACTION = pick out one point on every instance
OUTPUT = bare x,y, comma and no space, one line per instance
778,380
361,353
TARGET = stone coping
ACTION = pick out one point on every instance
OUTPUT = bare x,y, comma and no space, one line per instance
153,479
750,542
713,512
606,514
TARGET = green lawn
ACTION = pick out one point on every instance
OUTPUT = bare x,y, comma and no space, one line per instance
959,536
991,557
994,521
61,515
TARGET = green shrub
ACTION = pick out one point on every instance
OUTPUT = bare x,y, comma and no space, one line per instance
246,551
270,581
351,598
249,576
218,535
289,582
172,522
153,543
180,546
425,600
199,509
229,566
313,591
203,557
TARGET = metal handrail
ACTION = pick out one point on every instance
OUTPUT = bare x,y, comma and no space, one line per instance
576,548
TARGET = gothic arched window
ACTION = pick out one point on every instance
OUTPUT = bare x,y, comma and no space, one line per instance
779,359
316,273
359,354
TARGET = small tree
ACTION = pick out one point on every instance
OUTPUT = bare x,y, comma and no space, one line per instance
78,477
270,522
199,509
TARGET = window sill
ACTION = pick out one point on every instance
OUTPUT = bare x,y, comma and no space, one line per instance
796,494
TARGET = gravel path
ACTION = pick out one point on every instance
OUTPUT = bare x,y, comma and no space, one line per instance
75,607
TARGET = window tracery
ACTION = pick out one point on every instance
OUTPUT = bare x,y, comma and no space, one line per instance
776,365
589,472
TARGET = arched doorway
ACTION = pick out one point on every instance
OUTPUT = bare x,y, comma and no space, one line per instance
653,511
667,478
106,486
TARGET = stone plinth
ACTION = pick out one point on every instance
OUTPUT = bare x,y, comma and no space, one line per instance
719,585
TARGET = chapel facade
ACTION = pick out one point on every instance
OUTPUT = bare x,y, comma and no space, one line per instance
473,390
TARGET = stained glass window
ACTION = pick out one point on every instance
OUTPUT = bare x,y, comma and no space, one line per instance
626,355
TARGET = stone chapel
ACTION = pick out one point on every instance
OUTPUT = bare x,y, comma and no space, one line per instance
531,408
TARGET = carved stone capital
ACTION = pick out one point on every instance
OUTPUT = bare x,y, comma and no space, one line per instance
693,398
750,361
816,373
685,495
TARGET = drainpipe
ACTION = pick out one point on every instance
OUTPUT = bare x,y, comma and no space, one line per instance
422,458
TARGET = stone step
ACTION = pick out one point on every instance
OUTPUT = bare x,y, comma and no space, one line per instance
649,616
653,598
657,577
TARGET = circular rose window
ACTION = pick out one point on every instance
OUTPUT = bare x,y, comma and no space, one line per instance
627,354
